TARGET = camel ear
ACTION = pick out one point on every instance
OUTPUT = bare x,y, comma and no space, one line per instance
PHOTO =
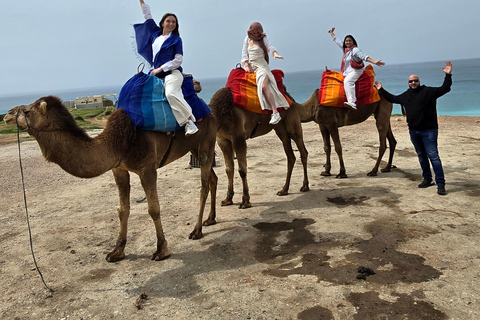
43,107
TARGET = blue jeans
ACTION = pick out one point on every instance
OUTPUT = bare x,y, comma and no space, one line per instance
425,143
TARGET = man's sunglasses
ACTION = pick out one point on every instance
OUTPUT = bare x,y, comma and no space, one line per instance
414,80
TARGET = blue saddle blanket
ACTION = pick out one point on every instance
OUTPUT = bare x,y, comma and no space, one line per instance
143,98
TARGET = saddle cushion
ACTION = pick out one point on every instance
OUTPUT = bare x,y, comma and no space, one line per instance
332,92
243,86
143,98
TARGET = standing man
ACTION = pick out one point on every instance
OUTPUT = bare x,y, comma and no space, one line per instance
420,104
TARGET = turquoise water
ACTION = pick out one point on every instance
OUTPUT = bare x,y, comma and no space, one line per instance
462,100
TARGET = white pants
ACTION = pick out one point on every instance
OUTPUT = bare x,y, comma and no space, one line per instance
349,84
173,91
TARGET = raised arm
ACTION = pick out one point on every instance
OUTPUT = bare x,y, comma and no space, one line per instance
145,10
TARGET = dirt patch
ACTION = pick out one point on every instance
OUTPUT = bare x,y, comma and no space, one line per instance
290,257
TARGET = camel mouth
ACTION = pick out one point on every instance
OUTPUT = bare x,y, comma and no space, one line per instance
12,115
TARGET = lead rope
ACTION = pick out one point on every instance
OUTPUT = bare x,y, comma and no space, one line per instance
26,211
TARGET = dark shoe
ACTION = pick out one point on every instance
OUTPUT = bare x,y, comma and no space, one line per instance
426,184
441,191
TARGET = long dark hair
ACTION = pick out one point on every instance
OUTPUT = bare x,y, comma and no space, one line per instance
353,39
165,16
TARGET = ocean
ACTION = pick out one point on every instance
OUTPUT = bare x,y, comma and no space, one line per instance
462,100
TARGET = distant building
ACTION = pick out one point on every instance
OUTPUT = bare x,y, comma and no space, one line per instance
94,101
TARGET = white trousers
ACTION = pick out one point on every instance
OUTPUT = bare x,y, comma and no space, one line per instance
173,91
349,84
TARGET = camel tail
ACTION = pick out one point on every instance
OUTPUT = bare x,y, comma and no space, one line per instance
222,105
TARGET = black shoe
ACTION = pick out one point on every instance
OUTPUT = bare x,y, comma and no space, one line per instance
426,183
441,190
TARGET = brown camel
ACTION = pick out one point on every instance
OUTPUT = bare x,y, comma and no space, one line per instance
121,148
236,125
330,119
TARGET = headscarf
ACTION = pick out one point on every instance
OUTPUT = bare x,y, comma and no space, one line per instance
256,26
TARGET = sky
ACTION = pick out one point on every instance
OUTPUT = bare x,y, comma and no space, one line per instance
62,45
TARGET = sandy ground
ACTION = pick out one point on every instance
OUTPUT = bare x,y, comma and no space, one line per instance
291,257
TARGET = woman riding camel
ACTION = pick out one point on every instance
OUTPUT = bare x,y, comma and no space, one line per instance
162,47
352,66
256,47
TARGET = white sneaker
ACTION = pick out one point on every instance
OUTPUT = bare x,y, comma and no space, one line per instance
190,128
350,105
275,118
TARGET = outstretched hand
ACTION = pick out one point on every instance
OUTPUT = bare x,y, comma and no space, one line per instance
448,67
277,56
331,32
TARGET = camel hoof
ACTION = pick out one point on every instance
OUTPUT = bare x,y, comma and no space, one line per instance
195,235
372,174
114,256
209,222
161,256
325,174
245,205
227,202
282,193
305,189
386,170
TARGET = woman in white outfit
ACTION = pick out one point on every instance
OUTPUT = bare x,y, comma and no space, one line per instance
162,46
256,47
352,66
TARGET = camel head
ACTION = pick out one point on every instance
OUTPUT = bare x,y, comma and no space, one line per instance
46,114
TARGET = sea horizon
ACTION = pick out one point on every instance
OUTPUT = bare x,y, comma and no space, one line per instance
463,100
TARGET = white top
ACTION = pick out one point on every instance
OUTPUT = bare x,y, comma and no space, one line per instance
359,55
271,49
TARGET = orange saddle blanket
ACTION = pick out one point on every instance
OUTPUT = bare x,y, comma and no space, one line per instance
332,92
244,89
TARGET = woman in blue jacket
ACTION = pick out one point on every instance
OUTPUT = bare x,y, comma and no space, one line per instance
162,47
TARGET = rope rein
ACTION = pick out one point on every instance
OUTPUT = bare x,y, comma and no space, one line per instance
26,210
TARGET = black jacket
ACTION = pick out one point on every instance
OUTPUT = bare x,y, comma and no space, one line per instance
420,104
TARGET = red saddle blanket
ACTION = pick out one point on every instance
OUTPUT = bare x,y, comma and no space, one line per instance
332,92
244,89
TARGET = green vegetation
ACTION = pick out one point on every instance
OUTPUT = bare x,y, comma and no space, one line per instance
87,118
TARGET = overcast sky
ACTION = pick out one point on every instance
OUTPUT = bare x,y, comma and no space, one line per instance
87,43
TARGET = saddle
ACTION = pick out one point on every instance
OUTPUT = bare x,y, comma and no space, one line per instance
243,86
332,92
143,98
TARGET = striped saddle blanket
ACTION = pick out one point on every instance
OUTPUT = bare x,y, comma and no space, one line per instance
244,89
332,92
143,98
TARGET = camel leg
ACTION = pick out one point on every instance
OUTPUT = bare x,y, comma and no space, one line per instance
122,179
392,143
213,182
327,147
206,170
240,148
382,136
298,138
227,150
338,149
148,178
281,132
